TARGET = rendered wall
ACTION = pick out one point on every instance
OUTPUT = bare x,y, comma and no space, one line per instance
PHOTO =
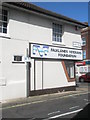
37,29
0,69
24,28
48,74
54,75
13,73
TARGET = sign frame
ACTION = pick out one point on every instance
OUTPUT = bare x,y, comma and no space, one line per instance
52,46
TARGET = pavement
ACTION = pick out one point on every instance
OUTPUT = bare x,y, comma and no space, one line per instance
81,88
50,106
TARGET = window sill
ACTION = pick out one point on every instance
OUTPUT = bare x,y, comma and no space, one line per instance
18,62
58,43
3,35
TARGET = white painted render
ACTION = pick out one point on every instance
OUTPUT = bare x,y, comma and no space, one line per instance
38,75
54,75
0,57
24,28
14,74
0,69
37,29
49,74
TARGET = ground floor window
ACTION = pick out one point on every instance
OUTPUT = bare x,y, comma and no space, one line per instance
70,68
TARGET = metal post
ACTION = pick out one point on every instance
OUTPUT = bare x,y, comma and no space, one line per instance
27,74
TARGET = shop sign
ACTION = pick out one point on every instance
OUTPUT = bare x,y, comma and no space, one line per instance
80,63
53,52
77,44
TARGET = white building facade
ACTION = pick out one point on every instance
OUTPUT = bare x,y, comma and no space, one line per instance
38,49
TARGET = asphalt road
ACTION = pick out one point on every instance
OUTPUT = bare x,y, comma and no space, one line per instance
61,107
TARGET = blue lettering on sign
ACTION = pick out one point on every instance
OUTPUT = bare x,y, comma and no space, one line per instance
41,50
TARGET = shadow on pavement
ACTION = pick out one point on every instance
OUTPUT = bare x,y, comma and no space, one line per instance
85,113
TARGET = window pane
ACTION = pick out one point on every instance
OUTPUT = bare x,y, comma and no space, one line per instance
57,32
0,11
4,24
4,30
83,41
60,38
54,38
0,17
17,58
0,24
84,54
0,29
71,71
4,18
4,12
70,68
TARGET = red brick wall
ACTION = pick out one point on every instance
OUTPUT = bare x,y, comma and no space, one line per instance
86,34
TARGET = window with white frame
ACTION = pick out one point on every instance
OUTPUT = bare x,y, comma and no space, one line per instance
3,21
57,33
84,54
83,41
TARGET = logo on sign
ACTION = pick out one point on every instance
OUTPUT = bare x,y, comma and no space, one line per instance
41,50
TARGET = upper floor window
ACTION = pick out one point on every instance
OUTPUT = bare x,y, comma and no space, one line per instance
83,41
3,21
84,54
57,32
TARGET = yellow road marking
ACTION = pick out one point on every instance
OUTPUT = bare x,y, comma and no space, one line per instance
35,102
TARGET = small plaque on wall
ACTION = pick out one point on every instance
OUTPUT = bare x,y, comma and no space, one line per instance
77,44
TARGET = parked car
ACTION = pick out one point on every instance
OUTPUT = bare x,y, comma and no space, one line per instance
85,77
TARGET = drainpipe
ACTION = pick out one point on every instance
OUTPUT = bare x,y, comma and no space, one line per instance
27,73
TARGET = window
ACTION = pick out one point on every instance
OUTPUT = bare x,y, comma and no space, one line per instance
57,33
70,68
84,54
18,59
83,41
3,21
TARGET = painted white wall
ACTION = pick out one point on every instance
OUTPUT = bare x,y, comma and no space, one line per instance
54,75
38,75
37,29
0,56
24,28
0,69
0,49
13,73
71,35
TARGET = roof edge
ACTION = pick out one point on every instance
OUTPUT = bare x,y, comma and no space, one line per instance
32,7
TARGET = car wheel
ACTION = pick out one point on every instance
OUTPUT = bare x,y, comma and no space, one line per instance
82,80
